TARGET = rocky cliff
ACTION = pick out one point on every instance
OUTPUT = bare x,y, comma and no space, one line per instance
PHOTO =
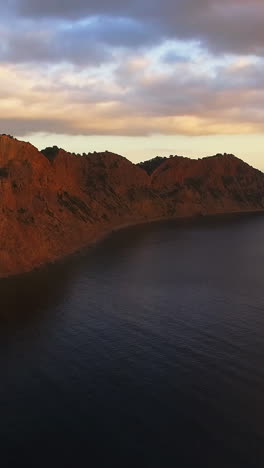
54,203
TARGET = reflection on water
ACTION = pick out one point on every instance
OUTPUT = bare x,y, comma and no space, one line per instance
146,350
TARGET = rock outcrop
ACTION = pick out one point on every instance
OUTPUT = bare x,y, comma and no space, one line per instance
53,204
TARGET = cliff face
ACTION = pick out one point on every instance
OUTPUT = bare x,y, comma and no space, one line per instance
50,208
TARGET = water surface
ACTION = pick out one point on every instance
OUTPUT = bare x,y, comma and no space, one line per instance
147,350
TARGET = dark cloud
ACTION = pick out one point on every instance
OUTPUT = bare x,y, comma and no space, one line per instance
33,46
72,9
83,43
221,25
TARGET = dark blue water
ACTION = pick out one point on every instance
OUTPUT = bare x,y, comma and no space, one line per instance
146,351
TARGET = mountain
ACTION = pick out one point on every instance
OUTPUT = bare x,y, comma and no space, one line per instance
53,202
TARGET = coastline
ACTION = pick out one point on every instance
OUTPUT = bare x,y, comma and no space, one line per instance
97,239
54,208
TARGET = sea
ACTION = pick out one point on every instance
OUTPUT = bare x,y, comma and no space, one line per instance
146,350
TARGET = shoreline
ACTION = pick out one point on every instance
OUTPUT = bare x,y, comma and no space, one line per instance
124,226
53,209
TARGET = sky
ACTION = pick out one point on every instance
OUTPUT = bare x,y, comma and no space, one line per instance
139,78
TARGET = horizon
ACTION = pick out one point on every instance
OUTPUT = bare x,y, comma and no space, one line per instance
141,80
80,154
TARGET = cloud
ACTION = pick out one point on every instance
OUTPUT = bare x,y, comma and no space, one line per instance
93,32
110,67
131,101
45,47
84,43
233,26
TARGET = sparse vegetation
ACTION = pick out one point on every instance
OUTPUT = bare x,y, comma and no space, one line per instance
194,183
9,136
151,165
228,180
3,172
50,152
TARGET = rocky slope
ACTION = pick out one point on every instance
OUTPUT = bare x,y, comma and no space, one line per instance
55,203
